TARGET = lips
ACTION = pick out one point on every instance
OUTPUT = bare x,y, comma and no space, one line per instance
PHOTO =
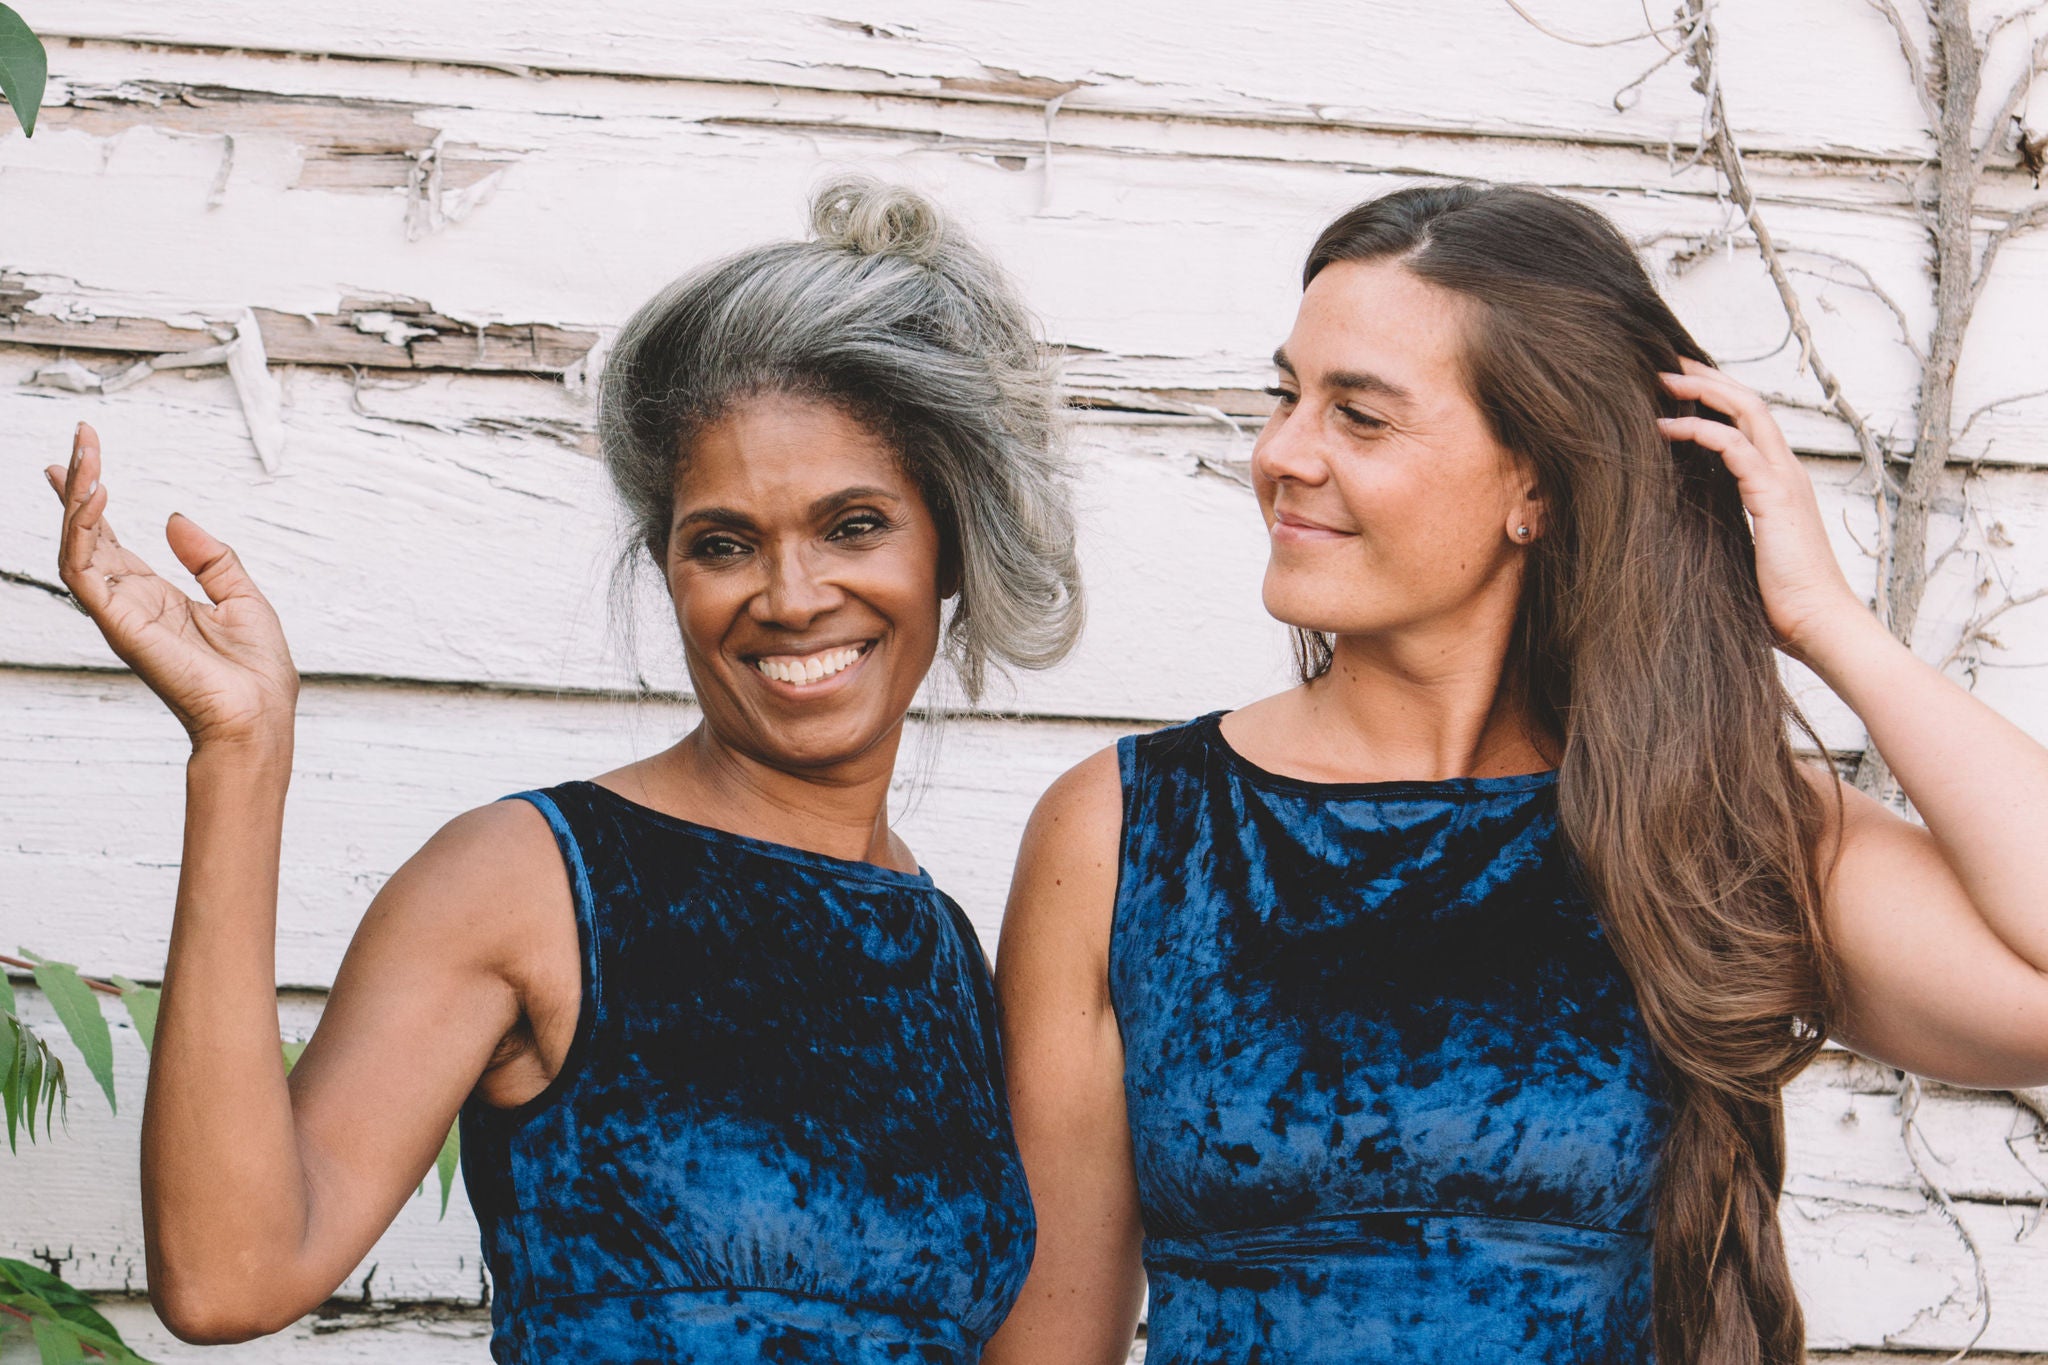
1289,525
812,668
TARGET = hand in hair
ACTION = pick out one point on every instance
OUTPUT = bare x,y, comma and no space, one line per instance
1940,932
1801,581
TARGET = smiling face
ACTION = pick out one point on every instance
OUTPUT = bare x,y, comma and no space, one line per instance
1390,506
806,573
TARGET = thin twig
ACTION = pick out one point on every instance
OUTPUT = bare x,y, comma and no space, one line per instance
1994,406
2013,99
1869,285
1533,22
1909,1106
21,964
1973,631
1915,63
1703,55
2025,220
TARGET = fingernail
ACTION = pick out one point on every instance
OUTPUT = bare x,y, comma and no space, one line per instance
92,488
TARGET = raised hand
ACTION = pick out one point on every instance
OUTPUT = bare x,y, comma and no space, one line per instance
1804,589
220,665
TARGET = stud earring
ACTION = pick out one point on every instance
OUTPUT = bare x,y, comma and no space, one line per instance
1521,533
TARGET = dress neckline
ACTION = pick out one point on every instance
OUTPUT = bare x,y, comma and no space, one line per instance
1211,730
854,869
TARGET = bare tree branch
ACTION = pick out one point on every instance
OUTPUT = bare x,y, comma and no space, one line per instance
1974,630
2006,21
1993,406
2025,220
2013,97
1870,285
1909,1109
1533,22
1703,54
1915,63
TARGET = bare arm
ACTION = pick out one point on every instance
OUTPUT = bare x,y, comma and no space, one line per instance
1065,1058
1942,932
261,1195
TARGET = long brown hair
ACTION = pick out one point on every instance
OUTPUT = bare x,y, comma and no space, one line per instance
1642,645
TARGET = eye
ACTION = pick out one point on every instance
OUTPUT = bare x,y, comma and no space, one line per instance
1361,420
717,546
858,526
1280,395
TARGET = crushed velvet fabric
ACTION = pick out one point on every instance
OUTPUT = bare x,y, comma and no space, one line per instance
780,1133
1390,1098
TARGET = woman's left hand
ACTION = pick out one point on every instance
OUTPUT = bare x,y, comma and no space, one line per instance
1804,589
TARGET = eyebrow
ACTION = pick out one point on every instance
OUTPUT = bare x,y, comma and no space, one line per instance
818,510
1357,380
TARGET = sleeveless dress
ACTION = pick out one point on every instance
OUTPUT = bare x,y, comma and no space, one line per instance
780,1133
1390,1098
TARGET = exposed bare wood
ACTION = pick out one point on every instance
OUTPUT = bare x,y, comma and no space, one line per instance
376,333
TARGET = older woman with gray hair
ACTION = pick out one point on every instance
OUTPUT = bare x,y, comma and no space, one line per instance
724,1057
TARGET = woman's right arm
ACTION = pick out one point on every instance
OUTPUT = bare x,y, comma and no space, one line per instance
261,1194
1064,1057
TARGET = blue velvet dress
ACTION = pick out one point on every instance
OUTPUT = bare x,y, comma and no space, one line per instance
1390,1097
780,1133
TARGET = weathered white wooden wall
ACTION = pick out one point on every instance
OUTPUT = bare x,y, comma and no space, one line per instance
434,212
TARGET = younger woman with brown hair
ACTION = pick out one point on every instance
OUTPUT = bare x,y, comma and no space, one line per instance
1438,1009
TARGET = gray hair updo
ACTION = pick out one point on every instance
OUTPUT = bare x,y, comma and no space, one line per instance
892,314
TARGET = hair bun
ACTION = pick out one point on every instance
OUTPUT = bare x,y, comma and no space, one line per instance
860,213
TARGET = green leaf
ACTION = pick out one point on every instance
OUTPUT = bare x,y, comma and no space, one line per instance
446,1163
34,1076
24,68
56,1085
8,1031
17,1097
7,1005
142,1004
81,1017
57,1342
33,1291
66,1302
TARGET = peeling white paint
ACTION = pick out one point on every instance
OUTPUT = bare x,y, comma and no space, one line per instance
1150,170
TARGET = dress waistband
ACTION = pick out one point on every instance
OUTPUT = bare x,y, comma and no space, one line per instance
558,1324
1381,1230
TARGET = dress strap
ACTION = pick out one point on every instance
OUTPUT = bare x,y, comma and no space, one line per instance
592,1013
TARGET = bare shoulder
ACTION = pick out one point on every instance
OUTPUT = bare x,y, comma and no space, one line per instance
1065,886
490,884
1087,796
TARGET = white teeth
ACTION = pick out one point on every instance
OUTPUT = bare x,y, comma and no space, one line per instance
801,672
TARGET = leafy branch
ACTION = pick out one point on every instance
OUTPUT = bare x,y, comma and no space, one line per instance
65,1326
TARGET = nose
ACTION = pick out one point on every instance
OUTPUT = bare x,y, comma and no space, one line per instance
1288,449
794,595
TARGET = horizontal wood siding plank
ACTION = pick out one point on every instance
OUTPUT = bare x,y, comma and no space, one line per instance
452,530
1450,65
1163,257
